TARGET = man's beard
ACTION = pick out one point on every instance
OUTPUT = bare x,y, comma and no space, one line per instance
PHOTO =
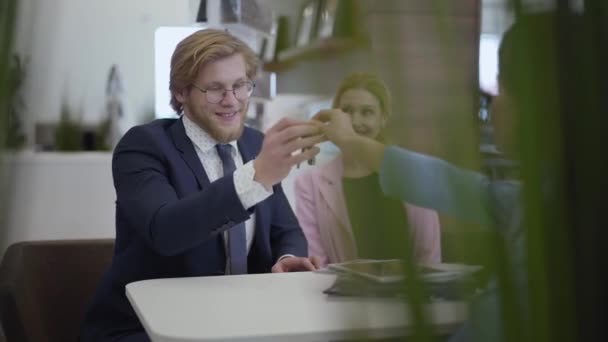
215,130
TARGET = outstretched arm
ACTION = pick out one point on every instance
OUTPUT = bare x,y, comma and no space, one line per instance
414,178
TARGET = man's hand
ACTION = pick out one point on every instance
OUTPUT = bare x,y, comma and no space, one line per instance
283,139
296,264
336,125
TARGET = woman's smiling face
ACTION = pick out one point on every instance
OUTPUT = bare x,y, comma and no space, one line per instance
364,110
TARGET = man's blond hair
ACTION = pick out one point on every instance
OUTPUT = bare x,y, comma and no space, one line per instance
200,48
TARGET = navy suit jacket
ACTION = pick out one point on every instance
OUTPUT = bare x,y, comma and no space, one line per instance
170,219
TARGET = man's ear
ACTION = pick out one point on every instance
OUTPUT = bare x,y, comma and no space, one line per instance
182,95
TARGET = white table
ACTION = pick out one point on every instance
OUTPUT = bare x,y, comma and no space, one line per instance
271,307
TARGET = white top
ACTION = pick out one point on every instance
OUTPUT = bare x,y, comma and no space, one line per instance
271,307
247,189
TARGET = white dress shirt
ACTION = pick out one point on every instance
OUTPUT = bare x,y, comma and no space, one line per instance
248,190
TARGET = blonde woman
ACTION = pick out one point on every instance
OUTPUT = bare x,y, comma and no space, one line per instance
340,205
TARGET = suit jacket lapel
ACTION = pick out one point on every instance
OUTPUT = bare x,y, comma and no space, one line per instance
245,148
185,146
330,186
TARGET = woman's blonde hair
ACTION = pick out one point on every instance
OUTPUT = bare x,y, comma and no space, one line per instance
374,85
200,48
370,83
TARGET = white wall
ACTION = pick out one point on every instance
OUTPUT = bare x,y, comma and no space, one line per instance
59,196
73,43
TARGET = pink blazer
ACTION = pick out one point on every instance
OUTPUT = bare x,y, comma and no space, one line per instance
323,216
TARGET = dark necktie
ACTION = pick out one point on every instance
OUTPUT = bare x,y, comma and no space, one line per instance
237,239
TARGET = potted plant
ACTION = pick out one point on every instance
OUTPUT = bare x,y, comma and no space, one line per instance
68,134
15,138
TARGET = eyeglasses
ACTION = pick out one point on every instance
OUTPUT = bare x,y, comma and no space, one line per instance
241,91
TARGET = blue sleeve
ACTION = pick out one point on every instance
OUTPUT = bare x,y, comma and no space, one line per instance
433,183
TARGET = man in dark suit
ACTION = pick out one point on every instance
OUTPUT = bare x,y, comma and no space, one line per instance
201,195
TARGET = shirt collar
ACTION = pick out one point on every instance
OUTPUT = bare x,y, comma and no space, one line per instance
200,138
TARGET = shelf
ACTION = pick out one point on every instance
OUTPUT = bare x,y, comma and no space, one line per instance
322,48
